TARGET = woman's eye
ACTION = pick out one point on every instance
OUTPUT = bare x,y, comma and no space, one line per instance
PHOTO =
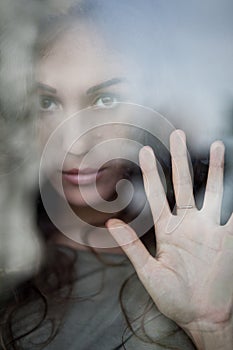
106,101
48,104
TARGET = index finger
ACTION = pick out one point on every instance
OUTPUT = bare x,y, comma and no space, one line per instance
153,186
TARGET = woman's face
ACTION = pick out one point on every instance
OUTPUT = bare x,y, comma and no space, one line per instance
76,74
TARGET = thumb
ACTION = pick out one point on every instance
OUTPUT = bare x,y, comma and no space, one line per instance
147,267
128,240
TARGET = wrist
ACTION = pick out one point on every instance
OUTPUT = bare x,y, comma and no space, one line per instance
211,337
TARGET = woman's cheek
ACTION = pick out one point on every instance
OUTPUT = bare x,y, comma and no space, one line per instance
45,128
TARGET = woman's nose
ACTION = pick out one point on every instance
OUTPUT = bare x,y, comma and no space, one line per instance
81,146
79,140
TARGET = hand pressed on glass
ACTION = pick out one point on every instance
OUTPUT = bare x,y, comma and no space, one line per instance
191,277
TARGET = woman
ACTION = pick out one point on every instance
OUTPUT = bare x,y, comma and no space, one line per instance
74,304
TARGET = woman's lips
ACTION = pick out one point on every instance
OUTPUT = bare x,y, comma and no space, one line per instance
82,177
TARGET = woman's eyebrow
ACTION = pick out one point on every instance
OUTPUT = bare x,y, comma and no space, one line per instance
105,84
46,88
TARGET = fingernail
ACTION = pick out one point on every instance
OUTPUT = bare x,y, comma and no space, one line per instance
147,157
179,133
217,153
147,149
114,223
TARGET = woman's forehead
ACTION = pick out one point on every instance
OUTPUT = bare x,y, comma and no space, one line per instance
81,36
81,53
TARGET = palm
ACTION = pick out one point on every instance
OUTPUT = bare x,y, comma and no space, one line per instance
190,269
194,256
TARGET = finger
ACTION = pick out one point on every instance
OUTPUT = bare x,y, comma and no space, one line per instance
214,186
153,185
130,243
146,266
181,177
